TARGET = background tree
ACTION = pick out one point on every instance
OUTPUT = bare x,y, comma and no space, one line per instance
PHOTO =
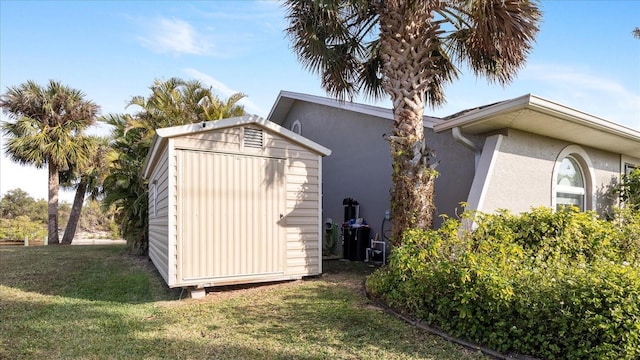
636,32
21,216
96,218
409,49
18,202
47,123
172,102
125,190
88,178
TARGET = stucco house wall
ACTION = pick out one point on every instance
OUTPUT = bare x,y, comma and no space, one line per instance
504,155
525,141
522,174
360,164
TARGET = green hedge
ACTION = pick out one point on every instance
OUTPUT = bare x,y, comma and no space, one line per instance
555,285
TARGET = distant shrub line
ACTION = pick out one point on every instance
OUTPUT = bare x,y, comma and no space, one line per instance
555,285
21,228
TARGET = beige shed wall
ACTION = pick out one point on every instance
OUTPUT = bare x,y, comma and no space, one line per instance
159,219
522,173
300,223
228,223
302,219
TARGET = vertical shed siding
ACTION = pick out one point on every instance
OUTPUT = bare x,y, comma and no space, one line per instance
281,178
229,216
303,211
159,224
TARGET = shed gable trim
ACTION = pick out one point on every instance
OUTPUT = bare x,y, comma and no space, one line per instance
161,136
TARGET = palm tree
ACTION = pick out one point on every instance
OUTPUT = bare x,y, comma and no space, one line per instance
48,122
409,50
125,190
217,109
88,178
172,102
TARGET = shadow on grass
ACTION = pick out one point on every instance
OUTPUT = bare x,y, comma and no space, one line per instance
96,330
98,302
332,317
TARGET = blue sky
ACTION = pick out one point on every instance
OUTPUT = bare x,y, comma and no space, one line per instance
585,57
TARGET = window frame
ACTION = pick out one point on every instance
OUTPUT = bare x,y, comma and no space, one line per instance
296,127
585,166
572,190
629,167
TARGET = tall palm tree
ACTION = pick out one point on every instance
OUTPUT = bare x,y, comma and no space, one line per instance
48,122
409,50
89,178
172,102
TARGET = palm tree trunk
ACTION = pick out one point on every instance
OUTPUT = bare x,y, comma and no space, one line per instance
52,207
74,216
405,57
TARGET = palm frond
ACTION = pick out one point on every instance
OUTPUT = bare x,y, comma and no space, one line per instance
329,39
499,35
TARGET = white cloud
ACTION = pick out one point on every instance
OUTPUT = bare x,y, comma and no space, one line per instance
222,89
218,86
175,36
584,90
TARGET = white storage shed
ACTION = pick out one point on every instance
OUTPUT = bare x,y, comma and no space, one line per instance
234,201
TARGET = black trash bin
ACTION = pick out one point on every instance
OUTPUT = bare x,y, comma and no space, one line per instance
346,241
356,241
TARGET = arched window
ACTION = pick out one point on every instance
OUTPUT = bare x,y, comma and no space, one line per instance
296,127
570,184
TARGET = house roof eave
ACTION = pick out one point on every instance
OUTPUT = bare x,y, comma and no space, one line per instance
286,100
552,120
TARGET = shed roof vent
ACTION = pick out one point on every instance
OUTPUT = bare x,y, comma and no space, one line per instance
253,138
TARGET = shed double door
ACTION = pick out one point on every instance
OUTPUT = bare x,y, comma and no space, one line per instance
230,209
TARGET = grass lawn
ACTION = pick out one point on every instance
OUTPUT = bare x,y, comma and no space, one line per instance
97,302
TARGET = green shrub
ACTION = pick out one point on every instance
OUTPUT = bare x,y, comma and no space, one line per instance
20,228
549,284
629,190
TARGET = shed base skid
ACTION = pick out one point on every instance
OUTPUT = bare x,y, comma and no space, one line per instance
197,293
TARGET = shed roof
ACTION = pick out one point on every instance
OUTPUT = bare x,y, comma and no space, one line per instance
286,100
162,135
536,115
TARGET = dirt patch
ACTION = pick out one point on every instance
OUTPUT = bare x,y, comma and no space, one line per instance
346,273
231,291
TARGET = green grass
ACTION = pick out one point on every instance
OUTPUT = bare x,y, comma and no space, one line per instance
92,302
